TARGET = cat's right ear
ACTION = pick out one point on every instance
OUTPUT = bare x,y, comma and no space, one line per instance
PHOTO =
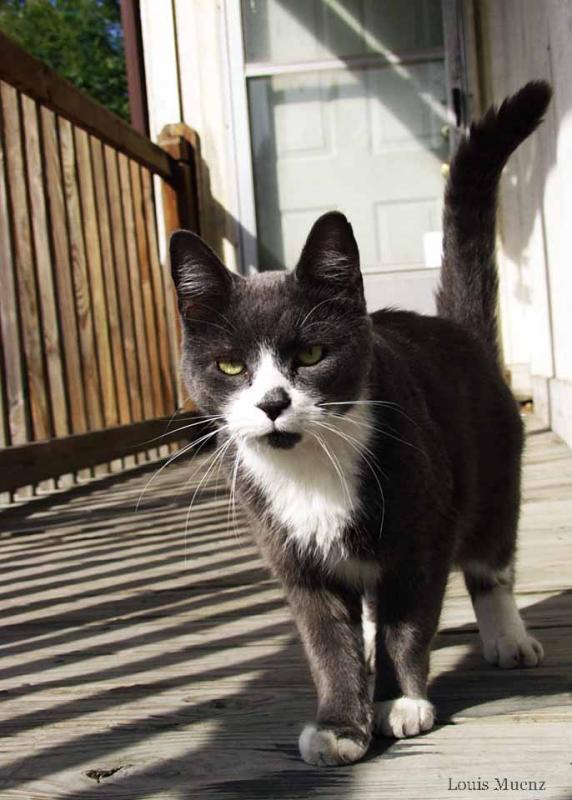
202,281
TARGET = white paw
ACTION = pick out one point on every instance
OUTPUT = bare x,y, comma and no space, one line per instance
405,716
511,651
324,747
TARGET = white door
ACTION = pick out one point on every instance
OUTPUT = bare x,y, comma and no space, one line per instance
347,110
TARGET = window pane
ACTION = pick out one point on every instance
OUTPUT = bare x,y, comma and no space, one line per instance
290,31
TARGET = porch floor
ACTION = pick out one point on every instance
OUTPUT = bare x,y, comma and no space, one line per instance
142,662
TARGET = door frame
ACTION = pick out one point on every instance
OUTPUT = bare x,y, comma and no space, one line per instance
241,142
462,92
460,65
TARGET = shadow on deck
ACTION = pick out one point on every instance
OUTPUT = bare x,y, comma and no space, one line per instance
141,661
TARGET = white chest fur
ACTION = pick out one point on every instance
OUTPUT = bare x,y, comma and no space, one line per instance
312,490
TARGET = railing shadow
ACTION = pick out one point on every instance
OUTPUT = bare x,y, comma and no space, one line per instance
205,655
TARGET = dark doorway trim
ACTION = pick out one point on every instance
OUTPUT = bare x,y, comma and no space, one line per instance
135,65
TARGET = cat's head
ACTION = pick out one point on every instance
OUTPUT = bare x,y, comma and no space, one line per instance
269,352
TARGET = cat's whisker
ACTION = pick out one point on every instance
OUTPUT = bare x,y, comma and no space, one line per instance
158,471
336,465
190,414
203,421
180,408
198,417
361,445
384,432
217,479
198,468
229,504
209,464
187,448
172,417
346,418
385,403
372,426
403,441
360,448
218,453
359,401
232,497
344,435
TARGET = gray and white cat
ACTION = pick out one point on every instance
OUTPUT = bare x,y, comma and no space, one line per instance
372,452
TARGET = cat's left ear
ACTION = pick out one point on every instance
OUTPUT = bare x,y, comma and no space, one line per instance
203,283
331,257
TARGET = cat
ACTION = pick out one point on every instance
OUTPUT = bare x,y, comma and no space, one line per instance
372,452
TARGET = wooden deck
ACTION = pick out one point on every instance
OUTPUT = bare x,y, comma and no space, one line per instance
141,662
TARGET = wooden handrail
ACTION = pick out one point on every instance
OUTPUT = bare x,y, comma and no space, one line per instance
36,461
34,78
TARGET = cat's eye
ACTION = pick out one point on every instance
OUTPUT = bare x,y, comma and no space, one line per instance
231,367
310,355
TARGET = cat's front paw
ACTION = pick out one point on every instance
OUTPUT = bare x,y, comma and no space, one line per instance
330,747
404,716
511,651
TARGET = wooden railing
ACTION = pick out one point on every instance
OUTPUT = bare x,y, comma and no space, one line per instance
88,332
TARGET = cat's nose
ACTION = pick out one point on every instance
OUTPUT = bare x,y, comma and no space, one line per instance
275,402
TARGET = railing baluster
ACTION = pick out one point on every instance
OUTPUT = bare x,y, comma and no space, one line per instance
114,317
121,270
63,272
17,423
50,329
100,314
23,254
82,294
149,320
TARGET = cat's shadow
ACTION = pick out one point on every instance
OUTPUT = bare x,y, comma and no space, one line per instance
471,687
253,749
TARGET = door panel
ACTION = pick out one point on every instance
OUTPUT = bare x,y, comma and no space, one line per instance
365,138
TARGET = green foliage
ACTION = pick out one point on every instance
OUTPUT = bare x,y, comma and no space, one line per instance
80,39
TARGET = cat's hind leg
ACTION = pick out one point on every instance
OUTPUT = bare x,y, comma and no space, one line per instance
505,639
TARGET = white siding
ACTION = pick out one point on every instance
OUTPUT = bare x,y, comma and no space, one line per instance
186,67
522,40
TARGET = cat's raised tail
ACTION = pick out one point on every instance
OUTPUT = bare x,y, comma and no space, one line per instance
469,281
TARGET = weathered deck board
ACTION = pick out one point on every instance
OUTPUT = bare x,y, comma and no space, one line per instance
166,665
